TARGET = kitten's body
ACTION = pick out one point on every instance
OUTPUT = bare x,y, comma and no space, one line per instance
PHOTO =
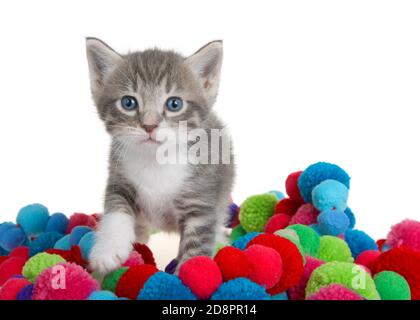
142,193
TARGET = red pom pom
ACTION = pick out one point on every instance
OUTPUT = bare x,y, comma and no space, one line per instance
286,206
267,266
380,243
367,258
22,252
233,263
404,261
145,252
277,222
132,281
202,275
290,255
11,267
80,219
11,288
298,291
73,255
292,188
3,258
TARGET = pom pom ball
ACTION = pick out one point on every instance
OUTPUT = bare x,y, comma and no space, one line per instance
292,188
332,222
240,289
132,281
11,288
298,291
330,195
33,219
25,293
243,241
334,249
134,259
335,292
22,252
406,233
237,232
359,241
392,286
43,242
38,263
286,206
306,214
80,219
102,295
233,263
77,233
278,194
256,210
63,243
11,238
367,258
110,281
86,243
11,267
145,253
202,275
277,222
308,238
318,172
57,222
352,219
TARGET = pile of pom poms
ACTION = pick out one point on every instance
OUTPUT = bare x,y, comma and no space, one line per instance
295,247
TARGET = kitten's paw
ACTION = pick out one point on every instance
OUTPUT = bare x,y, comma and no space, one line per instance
107,257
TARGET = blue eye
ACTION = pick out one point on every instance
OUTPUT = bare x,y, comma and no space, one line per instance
174,104
129,103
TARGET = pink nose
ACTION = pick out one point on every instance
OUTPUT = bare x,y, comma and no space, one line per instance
149,127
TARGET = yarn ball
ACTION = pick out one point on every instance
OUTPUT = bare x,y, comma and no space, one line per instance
278,194
202,275
233,263
318,172
277,222
406,233
367,258
63,243
359,241
240,289
330,195
11,267
4,226
171,266
110,281
77,233
58,222
25,293
10,289
237,232
267,266
33,219
233,215
38,263
403,260
22,252
134,259
292,188
308,238
306,214
102,295
349,275
332,222
243,241
352,219
64,281
335,292
334,249
291,258
297,292
132,280
73,255
145,252
164,286
86,243
392,286
256,210
80,219
287,206
43,242
11,238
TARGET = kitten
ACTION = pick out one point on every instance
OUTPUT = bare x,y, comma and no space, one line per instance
138,95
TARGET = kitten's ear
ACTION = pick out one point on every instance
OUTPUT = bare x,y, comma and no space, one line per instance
101,60
206,64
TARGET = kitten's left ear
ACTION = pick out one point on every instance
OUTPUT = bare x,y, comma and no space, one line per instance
206,64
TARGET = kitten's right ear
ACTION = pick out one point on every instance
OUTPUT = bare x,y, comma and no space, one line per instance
102,59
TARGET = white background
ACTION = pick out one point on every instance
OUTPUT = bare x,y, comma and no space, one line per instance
303,81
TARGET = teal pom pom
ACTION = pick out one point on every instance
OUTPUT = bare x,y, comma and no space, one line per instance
242,242
77,233
86,244
330,195
332,223
280,296
352,219
278,194
63,243
102,295
240,289
44,242
58,222
33,219
165,286
359,241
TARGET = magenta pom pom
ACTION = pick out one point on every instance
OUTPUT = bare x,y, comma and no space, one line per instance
406,233
134,259
307,214
335,292
298,291
11,288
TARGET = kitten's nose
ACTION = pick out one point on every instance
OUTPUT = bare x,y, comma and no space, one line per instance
149,127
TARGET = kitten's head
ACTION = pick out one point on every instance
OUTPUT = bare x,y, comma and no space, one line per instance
139,93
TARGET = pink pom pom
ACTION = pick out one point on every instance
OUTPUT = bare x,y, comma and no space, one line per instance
277,222
81,219
267,266
335,292
298,291
11,267
406,233
367,258
134,259
202,275
307,214
64,281
11,288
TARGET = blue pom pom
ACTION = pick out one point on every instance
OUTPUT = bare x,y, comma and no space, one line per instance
63,243
242,242
330,195
33,219
332,223
25,293
3,252
280,296
11,238
86,243
165,286
318,172
44,242
102,295
58,222
359,241
240,289
352,218
77,233
5,226
278,194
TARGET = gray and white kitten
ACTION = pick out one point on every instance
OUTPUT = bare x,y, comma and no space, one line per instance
137,95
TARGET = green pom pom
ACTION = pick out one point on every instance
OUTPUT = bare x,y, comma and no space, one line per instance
334,249
392,286
111,279
308,238
256,210
237,232
292,236
38,263
348,274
